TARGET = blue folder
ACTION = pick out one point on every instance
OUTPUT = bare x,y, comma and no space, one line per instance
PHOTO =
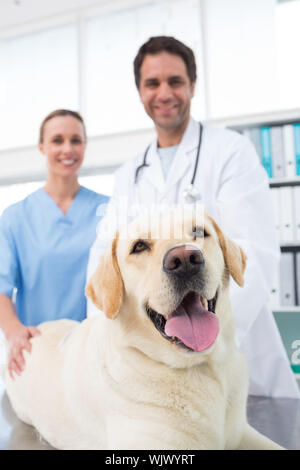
297,147
266,150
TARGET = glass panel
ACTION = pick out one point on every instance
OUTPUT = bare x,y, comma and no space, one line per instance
38,75
113,40
288,40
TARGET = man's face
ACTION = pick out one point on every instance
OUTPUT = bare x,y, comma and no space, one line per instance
165,90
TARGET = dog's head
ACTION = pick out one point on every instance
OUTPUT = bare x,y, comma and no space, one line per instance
169,295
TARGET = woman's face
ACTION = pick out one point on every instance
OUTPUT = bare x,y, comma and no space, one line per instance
64,145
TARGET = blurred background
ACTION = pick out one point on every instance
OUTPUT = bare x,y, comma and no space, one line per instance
79,54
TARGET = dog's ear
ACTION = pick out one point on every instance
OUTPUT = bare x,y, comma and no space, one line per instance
234,256
105,287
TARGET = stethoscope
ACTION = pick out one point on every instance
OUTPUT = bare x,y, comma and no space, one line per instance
190,194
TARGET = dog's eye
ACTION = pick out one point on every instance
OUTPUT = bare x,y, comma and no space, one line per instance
199,232
140,246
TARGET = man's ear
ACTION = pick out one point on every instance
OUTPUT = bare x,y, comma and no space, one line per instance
193,88
105,287
234,256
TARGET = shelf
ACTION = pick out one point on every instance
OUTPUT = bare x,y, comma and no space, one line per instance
290,247
293,309
253,120
259,120
280,182
266,119
290,244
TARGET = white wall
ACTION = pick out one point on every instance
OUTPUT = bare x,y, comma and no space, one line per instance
23,12
240,51
106,153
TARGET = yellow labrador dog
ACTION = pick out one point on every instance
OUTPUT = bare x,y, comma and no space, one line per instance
160,370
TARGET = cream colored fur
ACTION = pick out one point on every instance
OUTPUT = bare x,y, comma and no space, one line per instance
113,382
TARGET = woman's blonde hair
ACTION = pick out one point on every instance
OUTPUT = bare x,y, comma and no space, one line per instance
60,112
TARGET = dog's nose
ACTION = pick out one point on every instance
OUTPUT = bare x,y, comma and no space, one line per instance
183,260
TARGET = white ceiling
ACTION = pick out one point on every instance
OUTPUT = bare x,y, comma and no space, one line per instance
16,12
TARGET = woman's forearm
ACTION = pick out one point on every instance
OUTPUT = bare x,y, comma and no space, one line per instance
8,316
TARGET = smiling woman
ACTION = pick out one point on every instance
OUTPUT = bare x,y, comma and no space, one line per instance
45,240
63,141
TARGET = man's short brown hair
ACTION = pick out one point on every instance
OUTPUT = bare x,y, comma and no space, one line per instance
169,44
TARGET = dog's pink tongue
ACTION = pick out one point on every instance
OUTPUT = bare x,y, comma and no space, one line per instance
196,327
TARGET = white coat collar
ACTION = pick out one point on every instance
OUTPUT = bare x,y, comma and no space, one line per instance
181,162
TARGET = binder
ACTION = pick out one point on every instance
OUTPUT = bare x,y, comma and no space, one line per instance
277,152
254,135
297,147
289,150
275,291
266,149
298,277
275,195
296,194
287,285
286,214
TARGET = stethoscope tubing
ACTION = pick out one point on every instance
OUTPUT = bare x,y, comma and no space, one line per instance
145,164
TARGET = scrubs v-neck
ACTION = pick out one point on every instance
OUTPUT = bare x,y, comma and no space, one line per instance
44,254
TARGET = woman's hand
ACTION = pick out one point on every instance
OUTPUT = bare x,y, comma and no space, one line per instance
18,340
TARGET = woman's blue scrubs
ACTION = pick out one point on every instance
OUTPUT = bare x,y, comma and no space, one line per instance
44,254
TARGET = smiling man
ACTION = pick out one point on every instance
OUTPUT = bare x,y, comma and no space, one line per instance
166,92
190,162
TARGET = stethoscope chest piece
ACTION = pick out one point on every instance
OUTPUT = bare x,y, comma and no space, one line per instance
191,195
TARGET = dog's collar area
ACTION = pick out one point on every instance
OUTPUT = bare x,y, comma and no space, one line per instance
194,322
